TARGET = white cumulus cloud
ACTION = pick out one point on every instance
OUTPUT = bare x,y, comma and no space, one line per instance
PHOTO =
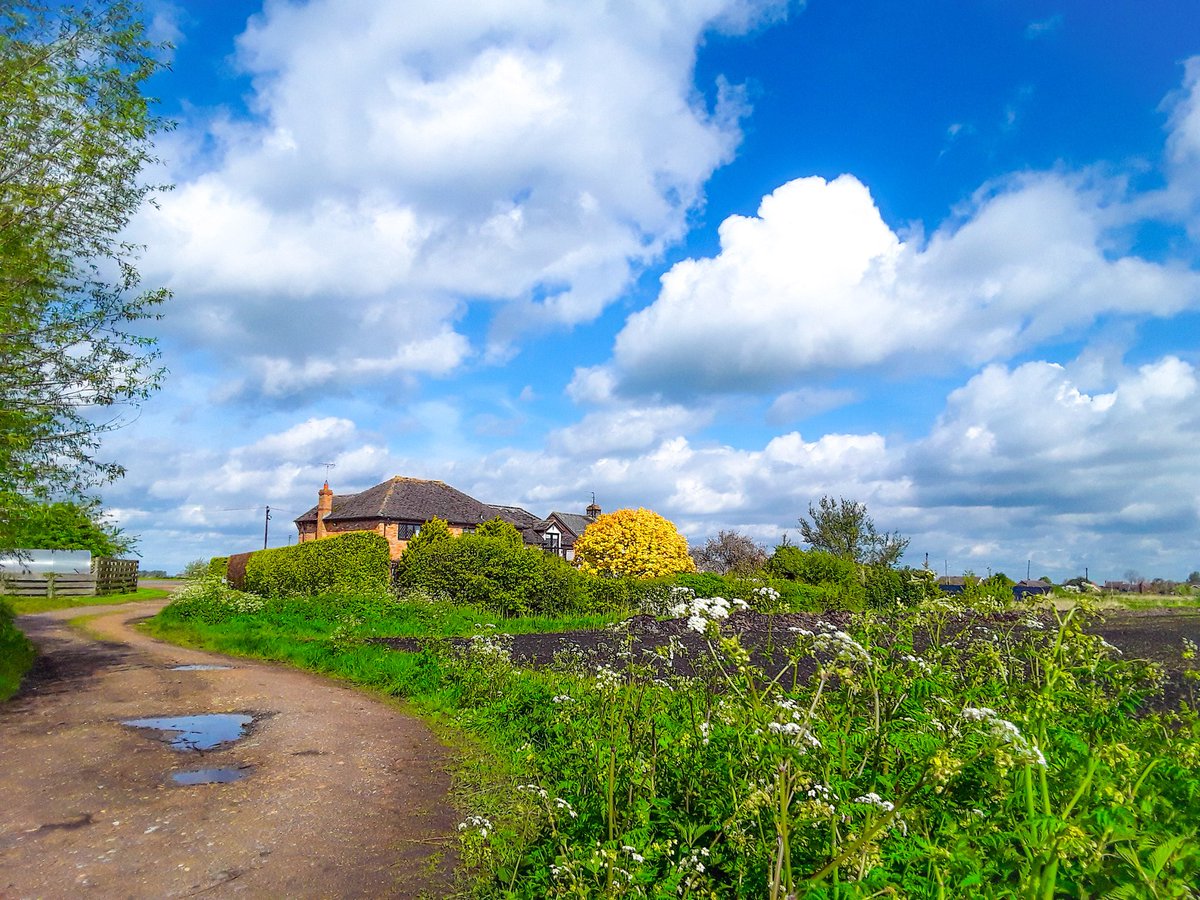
404,161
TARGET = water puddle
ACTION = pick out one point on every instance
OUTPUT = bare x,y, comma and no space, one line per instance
197,732
209,776
198,667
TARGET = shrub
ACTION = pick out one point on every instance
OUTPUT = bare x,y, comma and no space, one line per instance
211,600
16,653
502,531
609,594
634,544
811,566
491,572
218,566
352,563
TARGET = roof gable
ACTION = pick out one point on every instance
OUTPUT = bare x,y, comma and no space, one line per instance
409,500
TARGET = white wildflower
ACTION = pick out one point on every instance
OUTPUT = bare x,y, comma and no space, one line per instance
873,799
479,823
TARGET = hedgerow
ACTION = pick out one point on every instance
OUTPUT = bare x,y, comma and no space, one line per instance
492,573
353,563
16,653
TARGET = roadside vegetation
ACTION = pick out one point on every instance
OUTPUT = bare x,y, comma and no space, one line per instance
23,605
899,742
16,653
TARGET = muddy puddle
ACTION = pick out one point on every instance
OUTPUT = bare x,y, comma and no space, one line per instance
209,776
203,732
199,667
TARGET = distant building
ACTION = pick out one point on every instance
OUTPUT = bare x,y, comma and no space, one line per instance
398,507
1029,587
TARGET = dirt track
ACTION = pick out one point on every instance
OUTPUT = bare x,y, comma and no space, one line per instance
344,797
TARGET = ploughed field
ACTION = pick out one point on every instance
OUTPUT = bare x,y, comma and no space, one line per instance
669,646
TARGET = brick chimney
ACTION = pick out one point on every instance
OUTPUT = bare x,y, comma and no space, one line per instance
593,511
324,508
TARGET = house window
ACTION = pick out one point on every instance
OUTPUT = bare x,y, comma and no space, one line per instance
407,530
468,529
551,542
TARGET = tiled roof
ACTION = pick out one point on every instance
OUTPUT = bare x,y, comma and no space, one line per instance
407,500
514,515
574,521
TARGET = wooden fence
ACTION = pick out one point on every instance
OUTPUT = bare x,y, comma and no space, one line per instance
108,576
114,576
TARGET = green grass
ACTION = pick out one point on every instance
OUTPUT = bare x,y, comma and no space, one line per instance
24,605
16,653
725,784
1155,601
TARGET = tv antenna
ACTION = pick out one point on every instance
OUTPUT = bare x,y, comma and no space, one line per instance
328,466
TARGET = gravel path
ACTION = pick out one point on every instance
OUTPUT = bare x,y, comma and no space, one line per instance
339,795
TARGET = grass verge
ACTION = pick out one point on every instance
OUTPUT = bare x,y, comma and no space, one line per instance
933,751
25,605
16,653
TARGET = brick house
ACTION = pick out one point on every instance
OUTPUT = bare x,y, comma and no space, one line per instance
398,508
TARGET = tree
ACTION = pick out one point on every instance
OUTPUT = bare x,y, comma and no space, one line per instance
66,526
77,132
843,528
502,531
1194,579
729,552
634,544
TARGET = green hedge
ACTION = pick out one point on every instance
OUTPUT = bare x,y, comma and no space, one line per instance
490,572
16,653
219,566
353,563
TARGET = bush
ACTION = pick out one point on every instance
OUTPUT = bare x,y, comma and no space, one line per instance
502,531
218,566
811,566
211,600
16,653
353,563
490,572
608,594
632,544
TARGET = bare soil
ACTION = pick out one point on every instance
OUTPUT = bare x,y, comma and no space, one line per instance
345,796
1156,635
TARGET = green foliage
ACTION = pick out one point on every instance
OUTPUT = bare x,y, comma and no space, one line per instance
843,528
493,573
353,563
64,526
25,605
919,759
16,653
217,566
812,567
502,531
1004,581
77,133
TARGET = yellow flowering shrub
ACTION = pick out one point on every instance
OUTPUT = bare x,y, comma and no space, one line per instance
634,544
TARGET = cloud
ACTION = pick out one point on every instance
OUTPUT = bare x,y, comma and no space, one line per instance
817,283
1045,27
806,402
403,163
1023,462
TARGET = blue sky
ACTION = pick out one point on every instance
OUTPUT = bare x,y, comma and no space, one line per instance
715,258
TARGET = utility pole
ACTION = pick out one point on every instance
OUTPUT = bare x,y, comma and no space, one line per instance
266,527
